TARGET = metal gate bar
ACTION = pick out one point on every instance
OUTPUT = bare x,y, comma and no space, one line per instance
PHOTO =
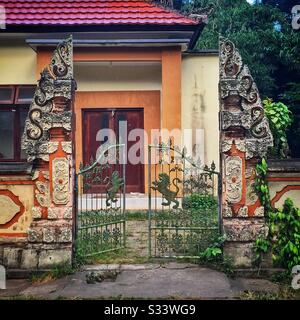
100,200
176,227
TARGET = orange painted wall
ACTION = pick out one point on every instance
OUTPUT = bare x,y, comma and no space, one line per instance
148,100
171,88
102,54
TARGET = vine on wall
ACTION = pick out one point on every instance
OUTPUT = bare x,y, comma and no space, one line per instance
284,226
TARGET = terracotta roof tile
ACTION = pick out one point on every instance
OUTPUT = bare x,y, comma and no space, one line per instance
90,12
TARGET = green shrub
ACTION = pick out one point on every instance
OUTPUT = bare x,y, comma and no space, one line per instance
285,232
283,237
199,202
280,118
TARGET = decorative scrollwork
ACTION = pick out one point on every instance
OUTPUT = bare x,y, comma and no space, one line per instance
35,131
56,81
240,102
256,129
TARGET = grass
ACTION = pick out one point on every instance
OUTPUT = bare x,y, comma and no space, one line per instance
138,215
285,293
58,271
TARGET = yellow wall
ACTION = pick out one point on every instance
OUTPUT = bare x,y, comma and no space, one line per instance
200,87
17,63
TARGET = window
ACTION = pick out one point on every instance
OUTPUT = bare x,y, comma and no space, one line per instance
14,105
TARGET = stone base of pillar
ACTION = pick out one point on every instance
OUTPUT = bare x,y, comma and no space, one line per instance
35,258
242,255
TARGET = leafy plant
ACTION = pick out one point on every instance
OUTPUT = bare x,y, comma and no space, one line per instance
261,184
213,252
199,202
262,246
285,232
283,224
280,118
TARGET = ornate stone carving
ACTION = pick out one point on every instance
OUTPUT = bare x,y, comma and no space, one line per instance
233,179
42,193
259,212
36,213
65,235
52,146
52,215
67,146
227,212
60,176
34,235
35,175
240,102
46,174
236,119
245,137
56,81
239,143
243,212
68,214
48,235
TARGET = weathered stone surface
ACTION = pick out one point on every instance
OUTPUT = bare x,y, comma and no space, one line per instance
49,258
257,285
244,229
12,257
65,235
241,253
35,235
29,259
1,255
48,235
2,277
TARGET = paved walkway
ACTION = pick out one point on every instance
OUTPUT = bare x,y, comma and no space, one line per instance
172,280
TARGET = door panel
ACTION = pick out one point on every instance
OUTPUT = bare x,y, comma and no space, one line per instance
134,172
96,119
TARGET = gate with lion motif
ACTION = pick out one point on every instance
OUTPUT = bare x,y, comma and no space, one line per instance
100,201
184,212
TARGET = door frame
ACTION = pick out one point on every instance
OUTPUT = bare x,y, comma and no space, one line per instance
149,100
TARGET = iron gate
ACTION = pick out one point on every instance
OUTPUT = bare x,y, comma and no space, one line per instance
184,212
100,200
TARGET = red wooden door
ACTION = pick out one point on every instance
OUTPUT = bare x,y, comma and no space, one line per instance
94,120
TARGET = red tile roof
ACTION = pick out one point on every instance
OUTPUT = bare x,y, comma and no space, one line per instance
90,12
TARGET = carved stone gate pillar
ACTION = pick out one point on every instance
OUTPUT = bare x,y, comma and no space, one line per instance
245,138
48,142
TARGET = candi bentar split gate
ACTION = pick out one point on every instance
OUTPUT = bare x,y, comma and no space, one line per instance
183,207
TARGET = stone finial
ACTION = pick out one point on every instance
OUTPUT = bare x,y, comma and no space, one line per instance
44,114
241,105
